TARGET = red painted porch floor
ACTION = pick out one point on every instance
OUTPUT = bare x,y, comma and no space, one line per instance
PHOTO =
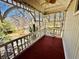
46,47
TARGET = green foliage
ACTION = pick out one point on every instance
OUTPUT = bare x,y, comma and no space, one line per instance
30,29
2,35
8,26
5,28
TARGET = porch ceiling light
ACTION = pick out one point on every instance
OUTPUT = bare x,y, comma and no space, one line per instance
15,0
51,1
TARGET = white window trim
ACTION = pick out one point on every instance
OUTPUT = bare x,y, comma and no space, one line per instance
77,12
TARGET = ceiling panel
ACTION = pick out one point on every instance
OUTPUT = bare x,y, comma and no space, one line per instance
44,6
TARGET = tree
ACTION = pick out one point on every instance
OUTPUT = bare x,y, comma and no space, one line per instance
5,27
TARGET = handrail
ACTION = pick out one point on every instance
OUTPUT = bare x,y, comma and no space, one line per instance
13,40
16,46
18,38
19,44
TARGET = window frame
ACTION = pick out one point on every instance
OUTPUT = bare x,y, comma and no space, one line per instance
77,8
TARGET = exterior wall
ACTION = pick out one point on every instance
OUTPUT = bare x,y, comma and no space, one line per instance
71,33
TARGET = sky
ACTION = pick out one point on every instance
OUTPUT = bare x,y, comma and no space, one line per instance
3,7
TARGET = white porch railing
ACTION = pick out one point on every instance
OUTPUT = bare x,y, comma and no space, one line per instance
55,31
10,49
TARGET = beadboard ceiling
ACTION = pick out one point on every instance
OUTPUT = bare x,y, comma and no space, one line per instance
45,7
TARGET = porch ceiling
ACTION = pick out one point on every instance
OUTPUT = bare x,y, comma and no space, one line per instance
45,7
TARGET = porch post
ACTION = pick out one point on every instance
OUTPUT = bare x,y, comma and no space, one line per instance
45,24
39,20
1,18
0,54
